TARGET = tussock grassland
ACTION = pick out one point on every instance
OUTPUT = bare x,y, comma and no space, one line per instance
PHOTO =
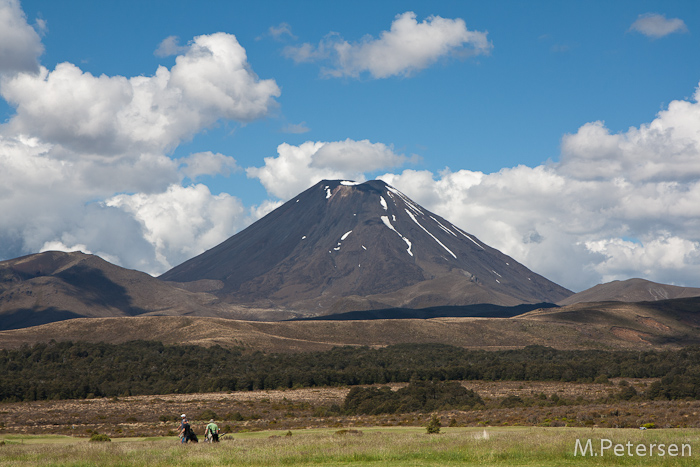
532,446
579,405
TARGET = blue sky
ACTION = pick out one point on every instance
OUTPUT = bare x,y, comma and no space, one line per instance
565,134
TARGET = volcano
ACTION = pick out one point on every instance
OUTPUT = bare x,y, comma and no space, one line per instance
344,246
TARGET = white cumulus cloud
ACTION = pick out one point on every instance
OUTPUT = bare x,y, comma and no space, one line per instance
170,46
20,45
85,160
263,209
183,221
117,116
207,163
655,25
296,168
669,257
616,205
408,47
665,149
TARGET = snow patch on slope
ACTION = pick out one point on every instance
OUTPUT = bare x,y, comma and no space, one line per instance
443,227
462,232
387,222
426,231
405,199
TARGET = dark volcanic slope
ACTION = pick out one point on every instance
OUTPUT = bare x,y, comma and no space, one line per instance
631,290
55,286
341,246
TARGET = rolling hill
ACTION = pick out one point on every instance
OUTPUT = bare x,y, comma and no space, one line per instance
631,290
667,324
55,286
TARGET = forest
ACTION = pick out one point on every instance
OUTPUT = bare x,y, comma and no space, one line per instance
78,370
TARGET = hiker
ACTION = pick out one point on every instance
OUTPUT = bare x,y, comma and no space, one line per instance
211,433
185,429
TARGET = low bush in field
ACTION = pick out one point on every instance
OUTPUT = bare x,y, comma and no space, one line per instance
97,437
433,427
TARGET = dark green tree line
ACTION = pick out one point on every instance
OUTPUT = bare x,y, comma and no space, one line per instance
73,370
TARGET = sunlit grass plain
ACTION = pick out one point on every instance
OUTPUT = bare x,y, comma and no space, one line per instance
509,446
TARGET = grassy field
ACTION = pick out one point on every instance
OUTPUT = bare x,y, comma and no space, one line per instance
405,446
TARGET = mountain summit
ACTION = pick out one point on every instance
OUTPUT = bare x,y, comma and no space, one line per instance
342,246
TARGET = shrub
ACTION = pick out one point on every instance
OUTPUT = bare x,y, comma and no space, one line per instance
207,415
235,417
433,426
512,401
97,437
344,432
627,393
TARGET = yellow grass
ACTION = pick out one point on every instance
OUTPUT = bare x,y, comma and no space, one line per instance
378,446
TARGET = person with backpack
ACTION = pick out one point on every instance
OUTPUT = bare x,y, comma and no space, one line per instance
184,429
186,432
211,433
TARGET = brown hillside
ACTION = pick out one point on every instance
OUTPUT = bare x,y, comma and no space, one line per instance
612,325
631,290
54,286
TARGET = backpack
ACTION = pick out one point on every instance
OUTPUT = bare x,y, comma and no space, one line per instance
190,434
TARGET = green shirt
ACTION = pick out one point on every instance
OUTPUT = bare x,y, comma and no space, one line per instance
213,428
